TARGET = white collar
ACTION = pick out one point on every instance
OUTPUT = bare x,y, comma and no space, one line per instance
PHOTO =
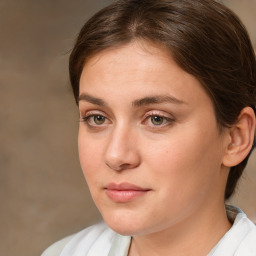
228,245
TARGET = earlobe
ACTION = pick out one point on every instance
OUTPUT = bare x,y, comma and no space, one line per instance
241,136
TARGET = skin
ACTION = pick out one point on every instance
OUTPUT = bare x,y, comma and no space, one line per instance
172,148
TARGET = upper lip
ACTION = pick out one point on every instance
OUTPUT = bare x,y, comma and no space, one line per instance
124,186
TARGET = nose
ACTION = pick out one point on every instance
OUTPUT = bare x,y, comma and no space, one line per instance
122,152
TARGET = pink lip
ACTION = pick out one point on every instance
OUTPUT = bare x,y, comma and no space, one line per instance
124,192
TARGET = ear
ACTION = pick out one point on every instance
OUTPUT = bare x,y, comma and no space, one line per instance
241,136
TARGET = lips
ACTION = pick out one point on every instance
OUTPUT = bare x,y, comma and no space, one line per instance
124,192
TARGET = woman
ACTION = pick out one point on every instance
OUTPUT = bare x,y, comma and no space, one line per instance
166,92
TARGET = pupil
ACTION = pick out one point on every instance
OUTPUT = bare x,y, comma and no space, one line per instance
99,119
157,120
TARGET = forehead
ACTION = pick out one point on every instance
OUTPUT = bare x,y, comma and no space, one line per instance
137,52
138,69
134,59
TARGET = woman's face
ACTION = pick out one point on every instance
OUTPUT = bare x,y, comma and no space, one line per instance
149,145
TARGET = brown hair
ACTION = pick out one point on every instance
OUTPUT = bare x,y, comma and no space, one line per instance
205,38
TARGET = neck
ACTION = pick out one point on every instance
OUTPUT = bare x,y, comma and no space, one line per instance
195,236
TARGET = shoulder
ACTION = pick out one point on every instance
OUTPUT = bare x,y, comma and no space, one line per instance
240,239
243,233
90,239
248,244
56,248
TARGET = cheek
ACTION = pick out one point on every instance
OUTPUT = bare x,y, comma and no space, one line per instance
89,154
170,153
185,158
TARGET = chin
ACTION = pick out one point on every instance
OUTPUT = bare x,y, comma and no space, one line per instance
126,225
126,229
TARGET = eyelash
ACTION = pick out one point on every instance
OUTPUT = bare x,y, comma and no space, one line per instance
166,121
88,122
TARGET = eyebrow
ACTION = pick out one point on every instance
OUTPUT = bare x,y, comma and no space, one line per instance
91,99
158,99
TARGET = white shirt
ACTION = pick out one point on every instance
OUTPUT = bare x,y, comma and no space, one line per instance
100,240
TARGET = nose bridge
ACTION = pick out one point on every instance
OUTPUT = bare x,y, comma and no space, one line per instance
121,151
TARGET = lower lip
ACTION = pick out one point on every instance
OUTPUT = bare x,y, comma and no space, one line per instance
123,196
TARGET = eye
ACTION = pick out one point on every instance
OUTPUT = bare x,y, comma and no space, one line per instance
98,119
157,120
94,120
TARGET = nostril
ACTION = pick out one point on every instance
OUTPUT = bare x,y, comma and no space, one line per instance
125,167
116,167
119,167
120,154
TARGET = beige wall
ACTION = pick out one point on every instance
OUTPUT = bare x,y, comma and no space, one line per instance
42,192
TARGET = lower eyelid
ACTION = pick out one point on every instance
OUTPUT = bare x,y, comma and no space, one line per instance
166,121
88,120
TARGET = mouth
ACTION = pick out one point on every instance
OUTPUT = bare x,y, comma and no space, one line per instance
124,192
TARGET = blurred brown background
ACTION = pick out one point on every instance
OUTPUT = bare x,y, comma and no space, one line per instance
43,194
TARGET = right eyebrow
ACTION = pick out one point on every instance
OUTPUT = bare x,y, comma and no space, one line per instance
91,99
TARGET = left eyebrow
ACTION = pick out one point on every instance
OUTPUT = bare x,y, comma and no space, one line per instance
156,100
